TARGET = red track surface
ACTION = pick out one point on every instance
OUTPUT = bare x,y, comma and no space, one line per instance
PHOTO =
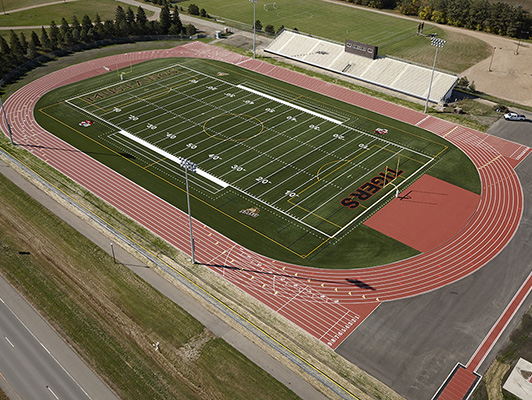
433,212
321,303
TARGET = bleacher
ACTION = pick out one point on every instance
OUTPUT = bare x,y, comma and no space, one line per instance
386,72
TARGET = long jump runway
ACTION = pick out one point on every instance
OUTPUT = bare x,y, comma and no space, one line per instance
325,303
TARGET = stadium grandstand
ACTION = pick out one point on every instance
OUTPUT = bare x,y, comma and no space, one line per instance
386,72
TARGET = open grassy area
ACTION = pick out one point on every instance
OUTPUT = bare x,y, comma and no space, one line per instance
222,210
394,36
44,15
16,4
112,318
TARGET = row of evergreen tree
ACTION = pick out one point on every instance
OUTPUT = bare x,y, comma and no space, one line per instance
21,49
494,17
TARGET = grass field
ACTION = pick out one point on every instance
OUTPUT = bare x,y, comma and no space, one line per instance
16,4
112,317
280,170
394,36
44,15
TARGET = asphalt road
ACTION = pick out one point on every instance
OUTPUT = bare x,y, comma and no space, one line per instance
71,361
413,344
34,369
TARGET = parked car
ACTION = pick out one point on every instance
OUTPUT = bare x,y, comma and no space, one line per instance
511,116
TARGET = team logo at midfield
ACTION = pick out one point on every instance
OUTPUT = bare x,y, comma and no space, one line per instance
252,212
222,73
86,123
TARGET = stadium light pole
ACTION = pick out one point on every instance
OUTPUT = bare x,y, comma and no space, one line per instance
189,166
7,122
438,43
254,28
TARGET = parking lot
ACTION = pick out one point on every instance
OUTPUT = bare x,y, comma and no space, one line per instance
516,131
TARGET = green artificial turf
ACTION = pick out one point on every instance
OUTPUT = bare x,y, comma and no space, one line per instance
299,178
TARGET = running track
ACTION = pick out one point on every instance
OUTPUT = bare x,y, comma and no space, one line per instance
318,301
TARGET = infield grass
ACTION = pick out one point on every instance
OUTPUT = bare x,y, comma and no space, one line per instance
277,165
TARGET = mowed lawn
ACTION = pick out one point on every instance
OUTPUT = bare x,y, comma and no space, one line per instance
45,14
394,36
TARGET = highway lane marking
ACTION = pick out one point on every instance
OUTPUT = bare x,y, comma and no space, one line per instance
9,341
51,391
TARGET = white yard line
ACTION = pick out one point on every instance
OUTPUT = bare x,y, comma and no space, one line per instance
171,157
295,106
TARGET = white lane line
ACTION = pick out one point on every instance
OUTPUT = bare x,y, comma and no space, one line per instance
9,341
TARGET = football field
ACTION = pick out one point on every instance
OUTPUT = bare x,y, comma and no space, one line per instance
310,165
278,169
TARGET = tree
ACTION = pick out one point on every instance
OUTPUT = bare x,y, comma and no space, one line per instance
109,28
35,39
165,19
5,55
409,7
45,39
76,36
98,27
458,12
75,24
193,9
130,16
54,36
86,23
176,21
142,21
4,48
258,25
269,29
17,52
190,30
65,33
23,42
203,13
84,35
32,51
280,29
130,19
120,15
